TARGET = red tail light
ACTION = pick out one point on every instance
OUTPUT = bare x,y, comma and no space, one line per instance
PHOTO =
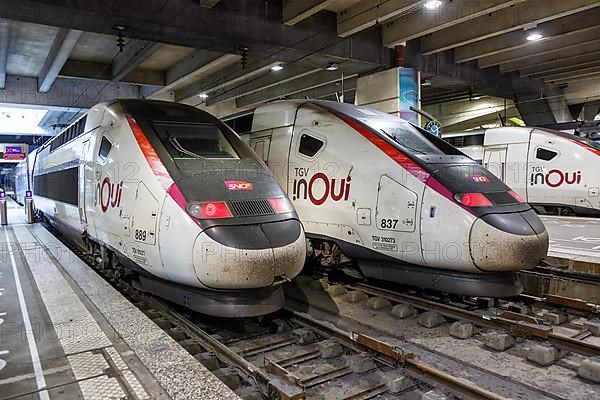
209,210
473,199
281,205
516,196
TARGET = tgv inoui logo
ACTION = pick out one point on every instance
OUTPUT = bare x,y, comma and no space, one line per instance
110,194
554,178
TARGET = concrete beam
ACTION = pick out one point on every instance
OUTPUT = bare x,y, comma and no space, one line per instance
552,30
480,120
4,37
193,67
73,93
266,80
224,28
537,49
135,52
209,3
328,90
564,65
225,78
526,14
320,78
468,75
63,44
102,72
368,13
424,21
295,11
574,74
550,55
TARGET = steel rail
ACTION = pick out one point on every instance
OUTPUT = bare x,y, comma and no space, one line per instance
518,327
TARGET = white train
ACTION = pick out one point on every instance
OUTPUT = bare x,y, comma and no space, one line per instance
398,202
174,194
553,171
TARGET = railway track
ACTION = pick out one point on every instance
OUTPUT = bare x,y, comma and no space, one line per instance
294,356
516,323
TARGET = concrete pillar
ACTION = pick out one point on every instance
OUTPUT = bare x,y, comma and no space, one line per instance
590,110
546,108
392,91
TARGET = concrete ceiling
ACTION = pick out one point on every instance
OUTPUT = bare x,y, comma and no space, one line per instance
65,54
68,49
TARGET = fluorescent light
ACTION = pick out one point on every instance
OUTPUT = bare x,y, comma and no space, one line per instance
432,4
332,67
203,96
534,35
277,67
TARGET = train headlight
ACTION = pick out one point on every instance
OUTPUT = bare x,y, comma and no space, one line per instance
281,205
209,210
473,199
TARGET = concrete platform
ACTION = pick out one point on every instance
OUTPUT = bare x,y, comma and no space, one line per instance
574,238
67,334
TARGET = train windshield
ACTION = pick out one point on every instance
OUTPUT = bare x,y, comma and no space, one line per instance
197,140
418,141
405,135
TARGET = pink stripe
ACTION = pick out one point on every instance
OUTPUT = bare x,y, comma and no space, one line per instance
176,195
158,168
403,160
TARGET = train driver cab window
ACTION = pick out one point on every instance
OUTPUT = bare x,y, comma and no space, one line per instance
191,140
310,145
105,146
544,154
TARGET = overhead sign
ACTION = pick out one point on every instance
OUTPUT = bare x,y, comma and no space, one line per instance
13,152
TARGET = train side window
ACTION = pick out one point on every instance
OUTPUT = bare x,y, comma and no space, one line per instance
309,145
105,146
544,154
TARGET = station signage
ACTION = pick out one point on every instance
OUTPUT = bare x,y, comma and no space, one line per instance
11,152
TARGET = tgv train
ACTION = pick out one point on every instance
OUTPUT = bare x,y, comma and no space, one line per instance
554,171
401,204
174,194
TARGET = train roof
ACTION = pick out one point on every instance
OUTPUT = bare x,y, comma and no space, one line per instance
283,113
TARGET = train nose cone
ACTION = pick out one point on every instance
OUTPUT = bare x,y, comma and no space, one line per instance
508,242
249,256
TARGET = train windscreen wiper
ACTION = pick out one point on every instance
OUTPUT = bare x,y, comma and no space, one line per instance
395,139
181,149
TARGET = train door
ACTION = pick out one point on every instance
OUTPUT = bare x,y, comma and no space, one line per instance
261,146
396,206
83,165
276,148
494,159
516,168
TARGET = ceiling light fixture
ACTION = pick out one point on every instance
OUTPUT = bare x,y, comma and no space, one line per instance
332,67
432,4
533,35
203,96
277,67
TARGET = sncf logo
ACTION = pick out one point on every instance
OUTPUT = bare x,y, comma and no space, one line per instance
480,178
110,194
238,185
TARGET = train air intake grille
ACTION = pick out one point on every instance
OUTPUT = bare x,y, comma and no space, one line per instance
251,208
